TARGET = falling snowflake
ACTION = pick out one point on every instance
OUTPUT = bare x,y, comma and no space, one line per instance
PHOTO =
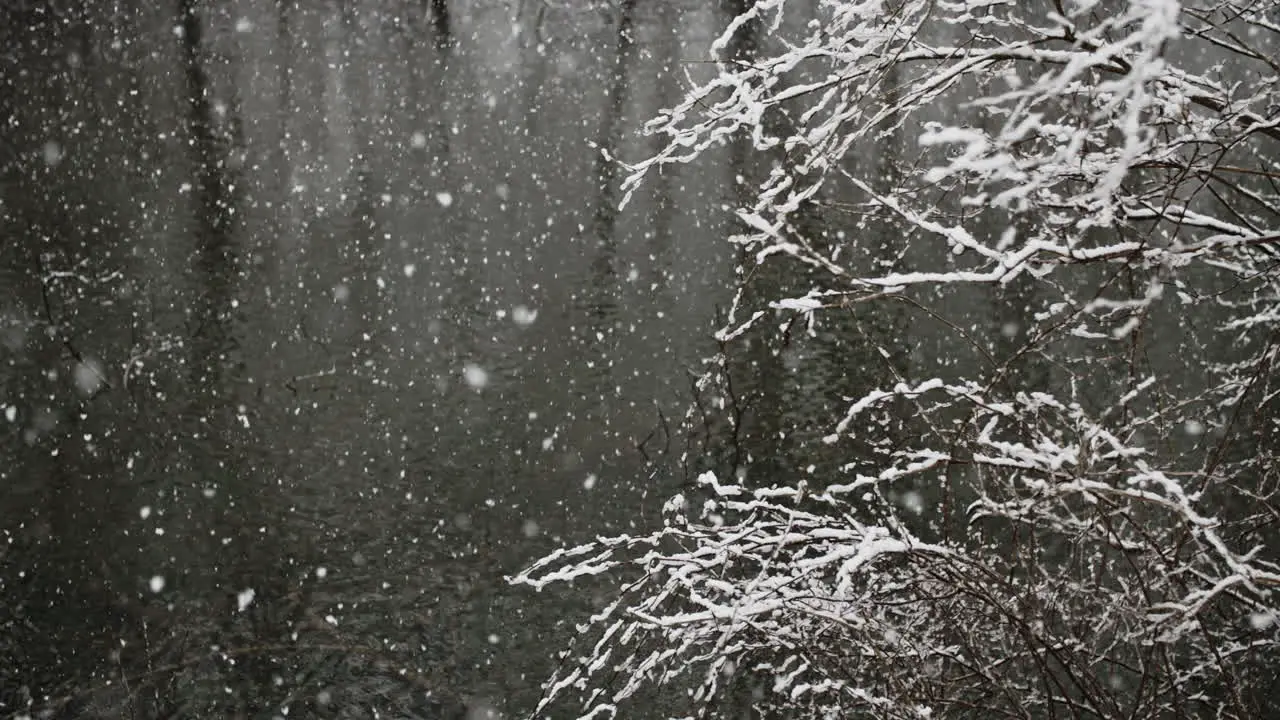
88,376
523,316
1263,620
52,153
475,376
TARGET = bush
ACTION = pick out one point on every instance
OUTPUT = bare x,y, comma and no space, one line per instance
1069,512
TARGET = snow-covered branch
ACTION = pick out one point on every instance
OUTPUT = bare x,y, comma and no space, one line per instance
1080,522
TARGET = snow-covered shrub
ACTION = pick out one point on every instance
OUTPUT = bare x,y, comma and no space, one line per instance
1071,512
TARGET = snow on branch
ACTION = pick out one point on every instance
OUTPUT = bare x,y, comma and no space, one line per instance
1077,521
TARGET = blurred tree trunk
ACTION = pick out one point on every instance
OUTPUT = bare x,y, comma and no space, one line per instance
441,24
602,294
285,223
239,543
605,217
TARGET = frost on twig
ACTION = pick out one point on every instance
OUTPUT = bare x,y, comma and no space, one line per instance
1073,515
